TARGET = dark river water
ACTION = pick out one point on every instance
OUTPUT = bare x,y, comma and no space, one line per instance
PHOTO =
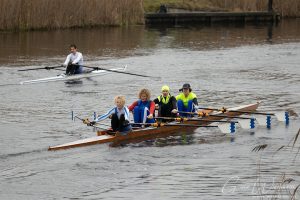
226,65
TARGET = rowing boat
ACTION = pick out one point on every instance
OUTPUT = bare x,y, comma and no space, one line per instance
150,132
67,78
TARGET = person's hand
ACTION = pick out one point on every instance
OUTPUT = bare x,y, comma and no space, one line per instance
92,123
86,121
150,116
125,123
174,111
110,116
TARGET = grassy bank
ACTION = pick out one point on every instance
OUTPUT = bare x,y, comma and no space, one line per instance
52,14
288,8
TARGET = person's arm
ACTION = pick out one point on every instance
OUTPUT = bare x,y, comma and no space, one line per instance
127,116
66,63
156,101
134,104
152,107
195,101
174,105
174,102
105,116
78,58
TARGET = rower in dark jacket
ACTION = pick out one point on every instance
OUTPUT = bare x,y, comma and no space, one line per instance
166,103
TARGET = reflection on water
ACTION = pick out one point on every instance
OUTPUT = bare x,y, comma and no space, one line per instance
25,48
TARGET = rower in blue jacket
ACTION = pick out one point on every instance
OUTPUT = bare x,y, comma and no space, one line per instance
119,116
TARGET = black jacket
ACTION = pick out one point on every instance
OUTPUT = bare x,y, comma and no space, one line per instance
164,110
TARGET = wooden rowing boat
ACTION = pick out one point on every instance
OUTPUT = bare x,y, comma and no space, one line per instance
68,78
150,132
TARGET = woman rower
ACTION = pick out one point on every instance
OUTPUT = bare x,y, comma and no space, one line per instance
143,108
186,100
166,103
119,116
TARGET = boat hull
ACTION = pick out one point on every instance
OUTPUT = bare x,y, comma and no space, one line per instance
69,78
149,132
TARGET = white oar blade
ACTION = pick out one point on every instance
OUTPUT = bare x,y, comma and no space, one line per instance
261,120
227,127
247,123
282,116
265,121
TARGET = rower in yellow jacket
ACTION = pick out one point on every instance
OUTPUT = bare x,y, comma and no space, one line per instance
186,100
166,103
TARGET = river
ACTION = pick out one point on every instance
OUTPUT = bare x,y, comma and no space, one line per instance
226,65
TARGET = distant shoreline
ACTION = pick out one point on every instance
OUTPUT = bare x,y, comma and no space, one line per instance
57,14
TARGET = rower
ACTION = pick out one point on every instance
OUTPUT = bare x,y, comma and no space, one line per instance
166,103
186,100
74,61
119,116
143,109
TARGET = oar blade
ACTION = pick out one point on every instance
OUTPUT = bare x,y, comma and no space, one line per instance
228,128
247,123
282,116
264,121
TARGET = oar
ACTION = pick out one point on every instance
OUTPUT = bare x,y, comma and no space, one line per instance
281,116
48,68
87,122
203,114
224,127
166,124
183,119
223,110
244,123
129,73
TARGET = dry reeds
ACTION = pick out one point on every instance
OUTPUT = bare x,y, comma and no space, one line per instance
49,14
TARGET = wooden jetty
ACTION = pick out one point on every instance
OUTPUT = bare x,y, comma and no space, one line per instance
210,17
169,16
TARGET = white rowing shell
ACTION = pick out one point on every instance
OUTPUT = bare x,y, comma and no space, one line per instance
64,77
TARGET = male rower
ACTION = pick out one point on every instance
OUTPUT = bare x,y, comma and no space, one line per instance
74,61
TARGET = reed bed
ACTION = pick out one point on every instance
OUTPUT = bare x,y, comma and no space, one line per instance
52,14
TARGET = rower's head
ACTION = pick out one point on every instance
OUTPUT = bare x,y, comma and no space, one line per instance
165,90
186,89
73,48
144,94
120,101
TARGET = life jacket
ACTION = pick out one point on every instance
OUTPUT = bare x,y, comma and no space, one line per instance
142,105
121,119
185,99
164,100
116,112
